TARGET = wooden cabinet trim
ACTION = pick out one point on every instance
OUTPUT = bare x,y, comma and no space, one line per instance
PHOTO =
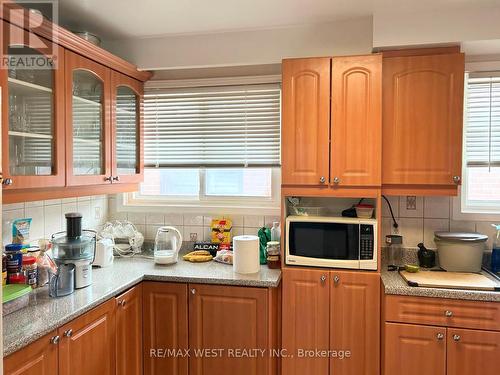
72,42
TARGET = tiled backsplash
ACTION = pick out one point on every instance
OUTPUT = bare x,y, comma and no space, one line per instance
431,214
188,224
48,216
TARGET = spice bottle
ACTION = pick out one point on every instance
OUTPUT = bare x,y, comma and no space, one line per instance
273,254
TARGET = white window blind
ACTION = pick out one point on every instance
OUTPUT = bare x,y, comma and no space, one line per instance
482,135
212,126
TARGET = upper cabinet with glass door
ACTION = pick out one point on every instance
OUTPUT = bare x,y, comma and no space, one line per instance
88,125
33,141
126,128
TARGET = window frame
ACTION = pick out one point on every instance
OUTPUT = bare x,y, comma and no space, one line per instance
236,205
462,210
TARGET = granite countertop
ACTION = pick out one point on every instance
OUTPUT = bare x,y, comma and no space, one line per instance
395,284
45,314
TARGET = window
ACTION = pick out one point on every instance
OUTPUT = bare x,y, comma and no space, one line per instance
481,187
216,146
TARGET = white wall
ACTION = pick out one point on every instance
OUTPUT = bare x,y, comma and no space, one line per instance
247,47
48,216
430,27
431,214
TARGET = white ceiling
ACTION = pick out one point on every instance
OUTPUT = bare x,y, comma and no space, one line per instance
121,19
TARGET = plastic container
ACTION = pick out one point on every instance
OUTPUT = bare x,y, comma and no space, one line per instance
364,211
15,297
460,251
16,278
395,248
14,258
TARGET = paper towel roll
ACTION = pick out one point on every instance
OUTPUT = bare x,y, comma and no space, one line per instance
246,254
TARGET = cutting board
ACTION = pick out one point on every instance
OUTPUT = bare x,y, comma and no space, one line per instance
451,280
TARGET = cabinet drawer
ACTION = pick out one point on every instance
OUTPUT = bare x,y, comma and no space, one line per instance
443,312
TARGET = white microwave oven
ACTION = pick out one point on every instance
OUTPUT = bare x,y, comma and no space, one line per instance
336,242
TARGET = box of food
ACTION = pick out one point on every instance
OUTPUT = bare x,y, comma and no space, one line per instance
221,231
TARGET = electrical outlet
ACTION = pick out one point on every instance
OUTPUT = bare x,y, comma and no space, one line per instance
193,237
411,202
97,213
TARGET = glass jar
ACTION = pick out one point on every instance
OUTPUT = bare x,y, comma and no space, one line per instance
395,248
30,271
273,254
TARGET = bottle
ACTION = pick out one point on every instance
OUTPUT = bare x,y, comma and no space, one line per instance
275,232
495,255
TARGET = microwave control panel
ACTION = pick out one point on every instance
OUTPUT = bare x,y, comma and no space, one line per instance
366,241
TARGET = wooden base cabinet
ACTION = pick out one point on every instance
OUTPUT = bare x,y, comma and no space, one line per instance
40,358
129,332
165,311
336,311
233,320
87,343
414,350
440,336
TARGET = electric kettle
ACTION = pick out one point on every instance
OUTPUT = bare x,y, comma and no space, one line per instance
168,242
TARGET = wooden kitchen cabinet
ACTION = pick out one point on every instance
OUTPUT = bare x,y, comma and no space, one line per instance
228,318
129,332
126,129
165,322
306,319
414,350
356,121
87,344
88,121
32,108
40,357
331,310
472,352
422,126
355,321
331,121
305,122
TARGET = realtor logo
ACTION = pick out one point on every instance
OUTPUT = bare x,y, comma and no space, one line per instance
29,40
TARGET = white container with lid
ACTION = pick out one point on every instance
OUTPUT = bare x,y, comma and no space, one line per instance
460,252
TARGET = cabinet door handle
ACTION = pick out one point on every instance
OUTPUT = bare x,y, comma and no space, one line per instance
108,179
54,340
456,179
193,291
322,279
456,337
116,178
336,180
440,336
6,181
322,179
448,313
336,279
68,333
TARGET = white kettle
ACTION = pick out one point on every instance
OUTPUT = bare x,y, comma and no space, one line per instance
168,242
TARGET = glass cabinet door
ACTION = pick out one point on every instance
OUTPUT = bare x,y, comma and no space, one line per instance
126,128
32,155
88,122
